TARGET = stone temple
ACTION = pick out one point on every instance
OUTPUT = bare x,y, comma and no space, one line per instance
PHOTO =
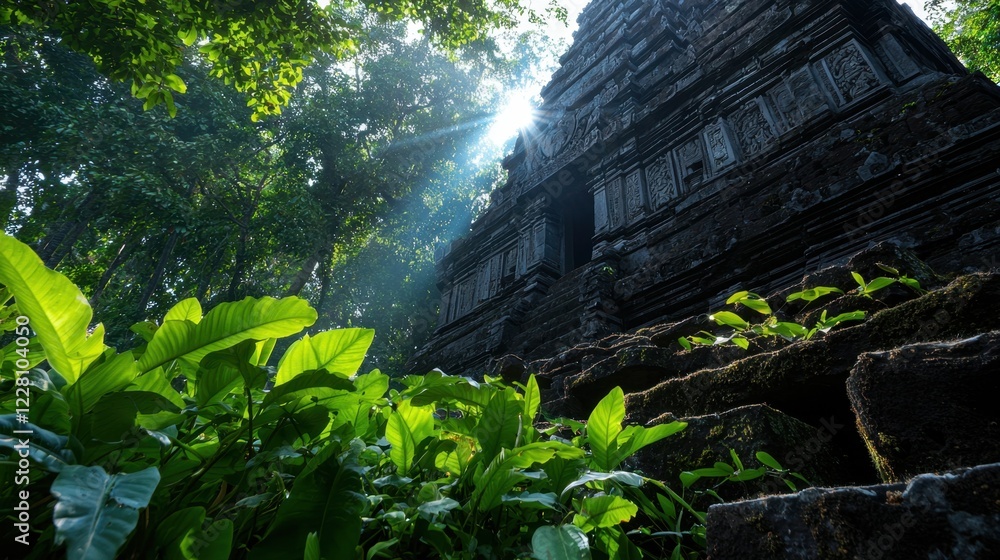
688,149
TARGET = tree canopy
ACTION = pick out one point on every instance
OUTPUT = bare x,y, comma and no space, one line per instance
972,29
340,199
261,48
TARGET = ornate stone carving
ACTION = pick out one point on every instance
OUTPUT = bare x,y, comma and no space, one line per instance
753,131
600,211
635,199
808,97
661,182
616,210
691,162
851,73
720,150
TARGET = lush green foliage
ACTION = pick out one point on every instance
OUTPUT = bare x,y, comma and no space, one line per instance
744,332
972,29
340,200
259,47
224,456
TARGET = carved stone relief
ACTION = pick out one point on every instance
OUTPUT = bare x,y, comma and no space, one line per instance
635,198
661,182
850,72
600,211
808,97
691,163
753,131
720,148
616,210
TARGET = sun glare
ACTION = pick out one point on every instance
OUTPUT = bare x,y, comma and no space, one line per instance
515,115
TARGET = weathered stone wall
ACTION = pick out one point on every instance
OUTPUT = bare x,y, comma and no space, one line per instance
687,150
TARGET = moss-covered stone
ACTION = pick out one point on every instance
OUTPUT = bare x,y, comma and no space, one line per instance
929,407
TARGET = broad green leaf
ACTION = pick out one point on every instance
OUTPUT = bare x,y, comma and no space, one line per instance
172,530
561,542
338,351
215,542
879,283
174,82
49,409
727,318
313,385
859,279
114,374
95,512
603,427
48,450
461,391
562,472
604,511
433,509
757,304
225,326
455,461
507,469
407,427
737,297
185,310
326,501
59,313
312,547
500,424
532,401
623,477
767,459
532,500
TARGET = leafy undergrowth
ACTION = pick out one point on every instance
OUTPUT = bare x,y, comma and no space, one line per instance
190,446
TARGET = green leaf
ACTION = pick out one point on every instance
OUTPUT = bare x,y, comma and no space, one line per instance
225,326
532,401
737,297
326,501
433,509
766,459
95,512
726,318
174,82
499,425
561,542
634,438
623,477
684,343
460,390
879,283
186,310
532,500
314,385
603,427
312,547
114,374
757,304
407,427
338,351
59,313
857,278
604,511
47,449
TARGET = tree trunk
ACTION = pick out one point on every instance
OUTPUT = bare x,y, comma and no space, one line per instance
120,258
305,273
157,276
239,267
